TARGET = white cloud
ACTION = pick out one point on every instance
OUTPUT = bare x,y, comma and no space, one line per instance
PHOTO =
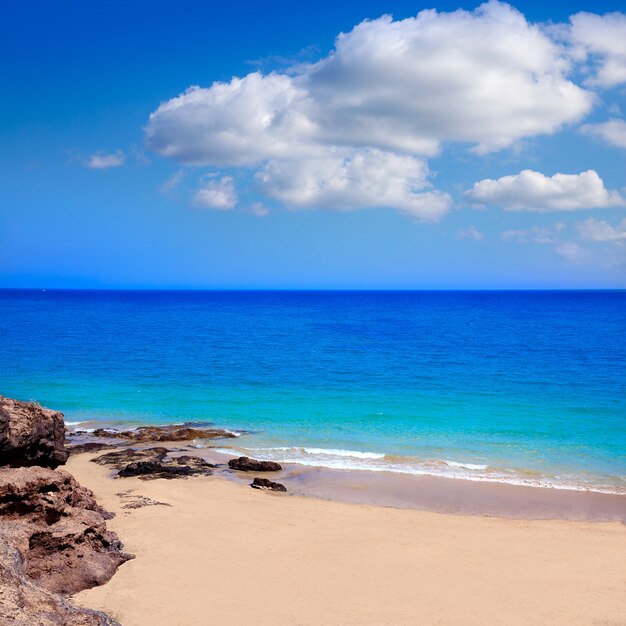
613,132
572,253
471,232
601,230
533,191
486,78
216,193
603,39
535,234
356,180
104,161
243,122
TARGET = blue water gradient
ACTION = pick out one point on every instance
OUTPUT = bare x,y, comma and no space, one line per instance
531,383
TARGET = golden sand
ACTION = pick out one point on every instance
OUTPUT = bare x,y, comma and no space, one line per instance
225,554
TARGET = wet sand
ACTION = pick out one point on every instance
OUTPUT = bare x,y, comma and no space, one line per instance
442,495
223,553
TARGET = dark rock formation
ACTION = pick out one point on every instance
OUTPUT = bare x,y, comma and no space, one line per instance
30,435
154,469
152,463
121,458
90,446
268,485
195,462
245,464
58,528
173,432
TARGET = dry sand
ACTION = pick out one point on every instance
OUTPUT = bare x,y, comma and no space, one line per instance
224,554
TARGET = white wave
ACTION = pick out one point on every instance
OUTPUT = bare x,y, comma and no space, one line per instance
469,466
228,451
351,460
234,433
74,423
323,452
343,453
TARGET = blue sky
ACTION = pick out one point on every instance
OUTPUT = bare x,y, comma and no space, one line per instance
475,149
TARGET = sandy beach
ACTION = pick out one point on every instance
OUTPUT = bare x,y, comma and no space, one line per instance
223,553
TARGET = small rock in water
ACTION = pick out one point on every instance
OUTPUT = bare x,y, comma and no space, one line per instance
245,464
268,485
173,432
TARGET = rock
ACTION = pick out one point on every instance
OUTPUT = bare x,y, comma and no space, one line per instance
136,501
154,469
245,464
121,458
30,435
58,528
173,432
152,463
24,603
90,446
268,485
195,462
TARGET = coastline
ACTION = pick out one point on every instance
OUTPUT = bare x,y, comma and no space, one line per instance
228,553
373,461
425,492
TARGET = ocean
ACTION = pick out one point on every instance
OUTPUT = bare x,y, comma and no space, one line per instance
522,387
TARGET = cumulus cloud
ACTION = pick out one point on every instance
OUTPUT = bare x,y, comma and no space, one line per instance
602,38
361,179
533,191
486,77
572,253
601,230
535,234
216,193
471,232
613,132
104,161
390,92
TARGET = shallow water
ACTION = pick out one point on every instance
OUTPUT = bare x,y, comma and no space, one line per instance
524,387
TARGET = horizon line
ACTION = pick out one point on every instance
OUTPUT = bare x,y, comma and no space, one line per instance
316,289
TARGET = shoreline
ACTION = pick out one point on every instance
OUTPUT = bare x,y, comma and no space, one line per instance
228,553
246,443
440,494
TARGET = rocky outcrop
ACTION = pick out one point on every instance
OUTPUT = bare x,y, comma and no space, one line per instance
53,535
24,603
30,435
153,434
58,528
267,485
245,464
154,463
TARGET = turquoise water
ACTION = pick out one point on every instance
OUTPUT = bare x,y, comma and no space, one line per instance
512,386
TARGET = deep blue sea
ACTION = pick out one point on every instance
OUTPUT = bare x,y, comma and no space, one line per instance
526,387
